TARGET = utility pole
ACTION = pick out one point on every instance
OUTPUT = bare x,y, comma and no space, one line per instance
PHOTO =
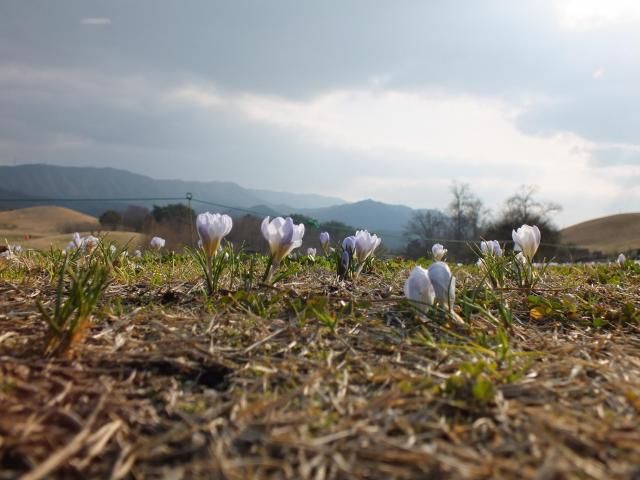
189,197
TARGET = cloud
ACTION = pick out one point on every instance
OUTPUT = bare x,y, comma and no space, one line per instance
594,14
296,96
298,50
95,21
394,145
420,140
617,155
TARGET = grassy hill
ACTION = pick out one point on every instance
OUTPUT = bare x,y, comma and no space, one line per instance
611,234
52,226
33,220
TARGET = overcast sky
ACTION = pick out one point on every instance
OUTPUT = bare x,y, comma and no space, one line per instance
358,99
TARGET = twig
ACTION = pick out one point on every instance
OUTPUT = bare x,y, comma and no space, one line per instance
61,456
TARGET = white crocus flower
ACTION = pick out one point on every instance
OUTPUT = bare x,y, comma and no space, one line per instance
6,255
418,289
621,259
88,243
444,284
491,247
75,243
283,236
521,259
77,240
324,241
365,244
311,253
527,240
438,252
212,228
112,248
137,254
157,243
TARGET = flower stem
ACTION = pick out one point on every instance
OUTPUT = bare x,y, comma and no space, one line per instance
267,273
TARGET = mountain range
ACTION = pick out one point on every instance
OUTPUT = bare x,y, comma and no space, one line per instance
93,190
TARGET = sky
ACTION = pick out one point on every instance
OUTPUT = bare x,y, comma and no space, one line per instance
390,100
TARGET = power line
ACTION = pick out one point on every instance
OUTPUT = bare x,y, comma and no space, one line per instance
85,199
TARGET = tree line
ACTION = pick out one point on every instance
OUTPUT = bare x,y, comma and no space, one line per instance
466,221
463,223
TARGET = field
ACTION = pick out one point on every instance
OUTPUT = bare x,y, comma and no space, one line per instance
312,378
52,227
612,234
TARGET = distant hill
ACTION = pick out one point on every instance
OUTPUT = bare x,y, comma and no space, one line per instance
612,234
365,214
35,220
49,226
14,199
50,181
301,200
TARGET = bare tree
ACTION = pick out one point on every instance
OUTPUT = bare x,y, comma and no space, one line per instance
422,228
427,224
465,211
523,207
465,215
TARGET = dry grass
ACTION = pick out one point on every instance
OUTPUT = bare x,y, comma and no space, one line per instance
133,239
44,220
49,227
612,234
255,385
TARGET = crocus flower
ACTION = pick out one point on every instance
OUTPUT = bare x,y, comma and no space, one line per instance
212,228
324,241
6,256
77,240
419,289
157,243
491,247
343,266
521,259
17,249
621,259
112,248
88,243
444,284
283,236
137,254
527,240
311,253
365,244
349,244
438,252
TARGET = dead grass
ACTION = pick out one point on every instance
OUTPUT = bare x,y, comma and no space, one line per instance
254,385
133,239
44,220
49,227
